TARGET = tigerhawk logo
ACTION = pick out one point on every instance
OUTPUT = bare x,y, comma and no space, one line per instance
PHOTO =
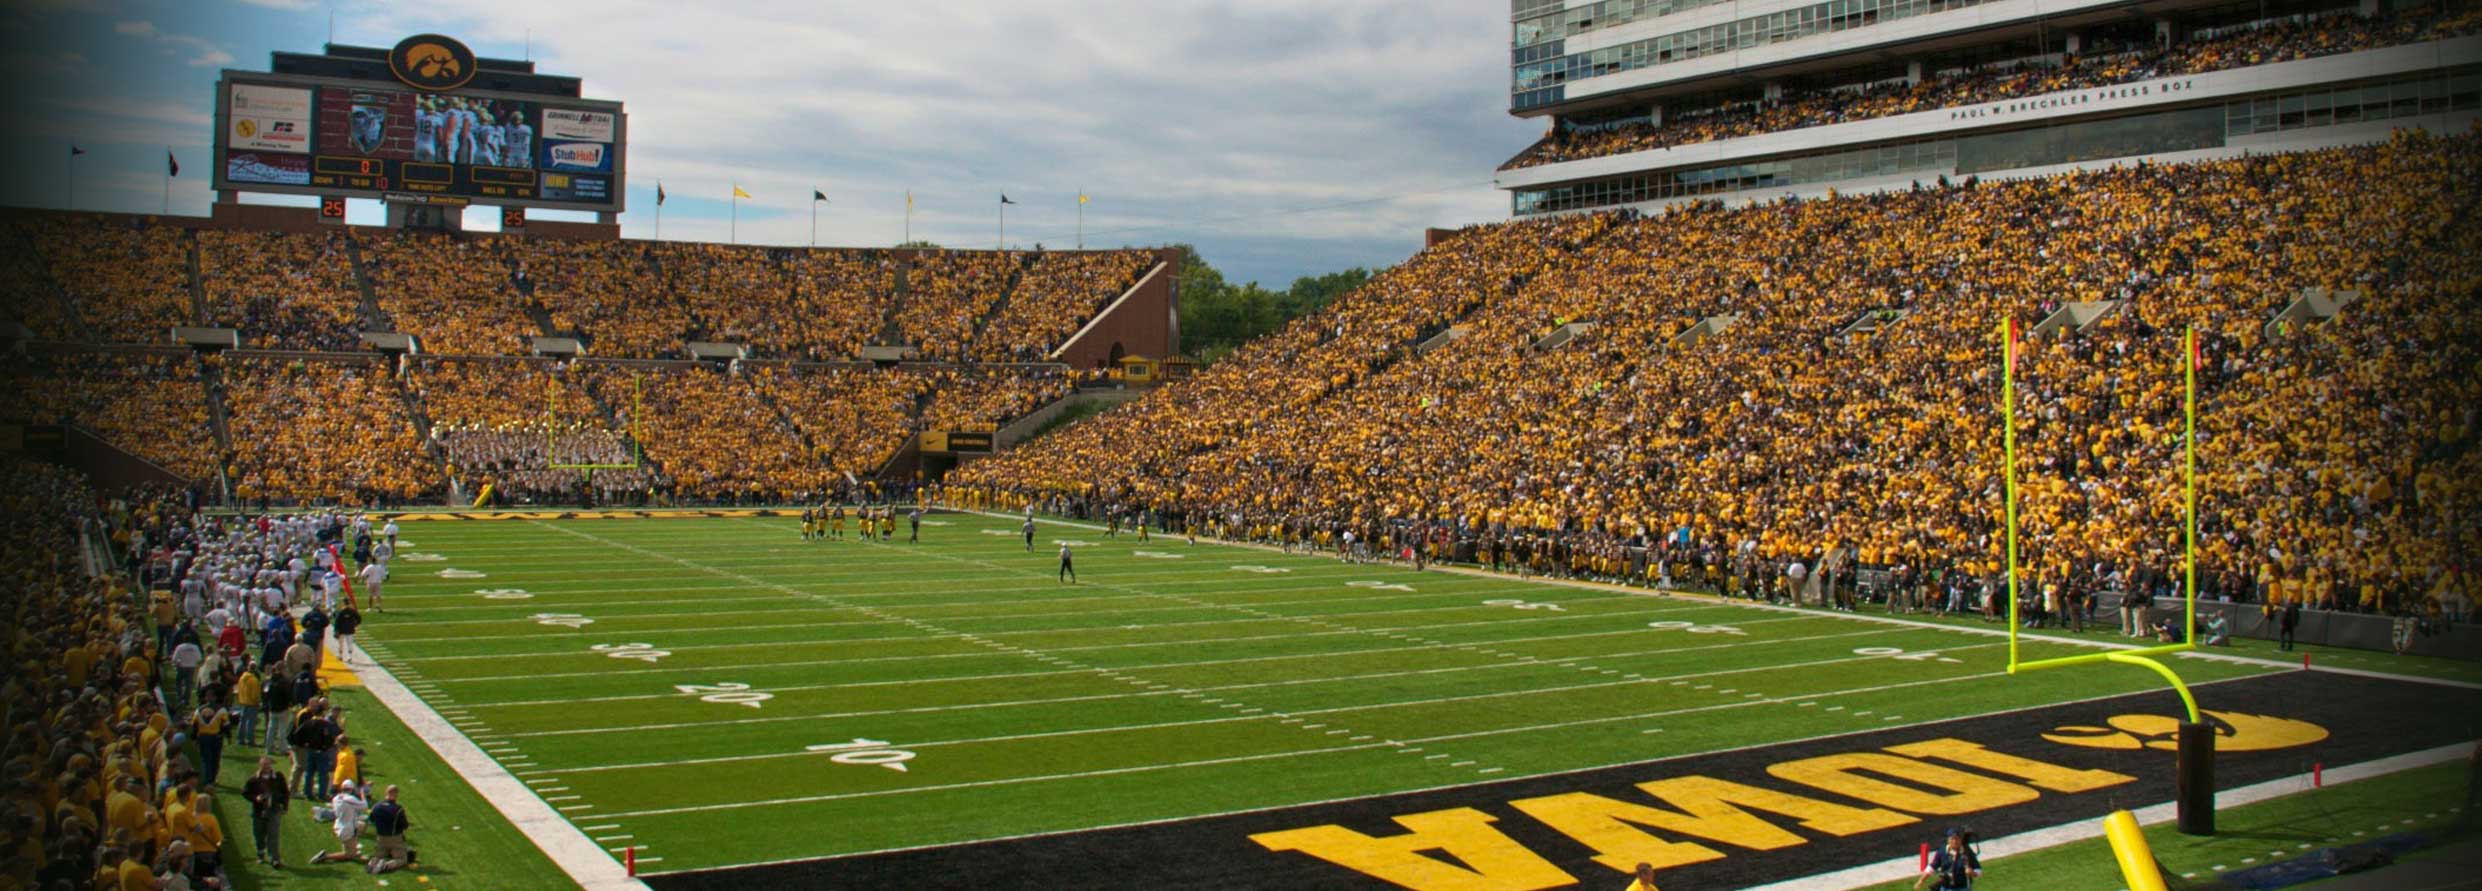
2234,732
431,62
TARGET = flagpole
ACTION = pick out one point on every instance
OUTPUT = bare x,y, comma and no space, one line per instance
736,226
814,224
1081,218
1003,241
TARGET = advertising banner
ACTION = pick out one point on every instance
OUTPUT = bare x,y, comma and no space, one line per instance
573,123
267,168
273,119
580,157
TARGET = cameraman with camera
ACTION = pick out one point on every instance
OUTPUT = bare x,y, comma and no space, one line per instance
1954,867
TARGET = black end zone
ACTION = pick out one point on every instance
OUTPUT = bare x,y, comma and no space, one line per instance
2348,720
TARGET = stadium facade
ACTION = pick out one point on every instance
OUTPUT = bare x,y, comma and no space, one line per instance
1652,102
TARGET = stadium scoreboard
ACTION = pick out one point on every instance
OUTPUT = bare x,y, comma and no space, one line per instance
426,123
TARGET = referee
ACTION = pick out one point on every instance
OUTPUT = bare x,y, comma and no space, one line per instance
1068,573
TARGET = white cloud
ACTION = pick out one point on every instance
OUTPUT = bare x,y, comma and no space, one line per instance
288,5
1187,119
202,52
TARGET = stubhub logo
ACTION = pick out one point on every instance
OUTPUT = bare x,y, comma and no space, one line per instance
576,155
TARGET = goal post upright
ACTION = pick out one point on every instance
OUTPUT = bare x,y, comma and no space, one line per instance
2194,777
2143,656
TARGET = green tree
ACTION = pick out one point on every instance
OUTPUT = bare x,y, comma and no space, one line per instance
1217,315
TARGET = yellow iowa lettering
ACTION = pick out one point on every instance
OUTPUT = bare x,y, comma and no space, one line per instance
1711,809
1493,861
2041,775
1961,792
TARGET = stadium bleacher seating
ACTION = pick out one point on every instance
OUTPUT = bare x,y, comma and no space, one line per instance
281,291
1779,441
2132,57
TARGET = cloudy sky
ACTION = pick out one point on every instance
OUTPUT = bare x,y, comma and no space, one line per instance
1284,137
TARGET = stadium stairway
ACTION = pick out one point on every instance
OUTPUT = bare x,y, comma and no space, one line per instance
372,318
211,380
784,419
999,308
197,281
420,415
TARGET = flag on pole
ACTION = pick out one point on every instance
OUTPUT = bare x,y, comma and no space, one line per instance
1081,197
1004,198
2016,344
909,201
816,195
2197,353
738,193
172,165
74,151
659,193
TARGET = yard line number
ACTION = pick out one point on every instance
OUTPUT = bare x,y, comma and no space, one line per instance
872,752
643,652
727,693
1513,603
1695,628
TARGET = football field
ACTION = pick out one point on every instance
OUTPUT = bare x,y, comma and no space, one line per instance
718,692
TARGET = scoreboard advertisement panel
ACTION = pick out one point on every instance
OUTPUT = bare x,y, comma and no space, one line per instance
302,134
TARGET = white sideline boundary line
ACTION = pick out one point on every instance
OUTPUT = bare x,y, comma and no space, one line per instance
1900,868
578,856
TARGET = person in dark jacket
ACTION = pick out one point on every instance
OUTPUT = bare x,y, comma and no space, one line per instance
269,797
389,821
348,620
314,630
2287,623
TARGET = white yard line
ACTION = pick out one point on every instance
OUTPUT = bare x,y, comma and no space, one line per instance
1125,668
1266,716
585,862
1901,868
1143,644
758,614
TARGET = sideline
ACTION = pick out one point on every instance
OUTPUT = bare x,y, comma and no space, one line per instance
1906,867
1888,620
585,862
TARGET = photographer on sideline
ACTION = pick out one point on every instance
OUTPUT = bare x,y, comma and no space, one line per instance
1954,867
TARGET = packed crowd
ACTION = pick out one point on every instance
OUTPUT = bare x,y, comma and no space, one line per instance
975,399
128,280
841,301
312,430
454,295
120,725
1780,442
852,419
151,405
1060,291
610,292
947,297
2100,63
715,437
27,294
292,292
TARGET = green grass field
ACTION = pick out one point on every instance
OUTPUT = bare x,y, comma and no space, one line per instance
662,682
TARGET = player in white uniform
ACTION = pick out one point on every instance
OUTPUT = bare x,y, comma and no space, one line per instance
426,131
520,151
467,139
494,140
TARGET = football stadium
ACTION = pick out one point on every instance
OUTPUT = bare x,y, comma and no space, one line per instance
1873,444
